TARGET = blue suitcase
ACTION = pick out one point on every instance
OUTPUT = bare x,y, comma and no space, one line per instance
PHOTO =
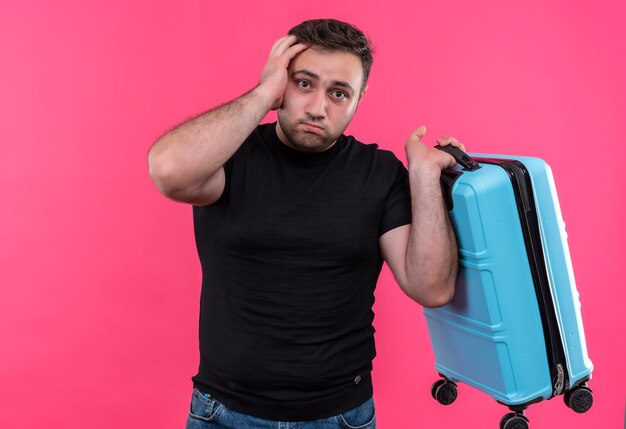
514,328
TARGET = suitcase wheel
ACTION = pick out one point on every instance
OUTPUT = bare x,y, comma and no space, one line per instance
579,399
444,391
514,421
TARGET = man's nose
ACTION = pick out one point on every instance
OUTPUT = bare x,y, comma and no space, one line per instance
317,105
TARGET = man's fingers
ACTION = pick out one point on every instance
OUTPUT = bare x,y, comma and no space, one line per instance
448,140
419,153
295,50
441,141
445,140
282,44
286,47
420,132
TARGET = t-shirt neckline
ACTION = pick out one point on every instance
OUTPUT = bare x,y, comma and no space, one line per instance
299,157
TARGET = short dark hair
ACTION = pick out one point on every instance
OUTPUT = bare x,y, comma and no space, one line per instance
334,35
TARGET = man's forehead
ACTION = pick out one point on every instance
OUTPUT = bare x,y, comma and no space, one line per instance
333,65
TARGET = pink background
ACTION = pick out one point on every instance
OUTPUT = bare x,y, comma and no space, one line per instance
99,278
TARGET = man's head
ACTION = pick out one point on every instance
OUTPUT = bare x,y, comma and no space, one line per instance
325,84
334,35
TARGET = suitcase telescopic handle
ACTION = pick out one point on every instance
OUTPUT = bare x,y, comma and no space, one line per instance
461,157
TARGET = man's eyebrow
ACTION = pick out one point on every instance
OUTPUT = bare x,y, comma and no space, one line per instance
312,75
307,73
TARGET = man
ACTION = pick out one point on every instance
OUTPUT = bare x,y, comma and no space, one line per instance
292,222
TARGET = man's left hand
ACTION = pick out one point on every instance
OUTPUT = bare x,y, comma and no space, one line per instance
421,156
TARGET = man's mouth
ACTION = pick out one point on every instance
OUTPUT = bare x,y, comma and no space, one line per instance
312,128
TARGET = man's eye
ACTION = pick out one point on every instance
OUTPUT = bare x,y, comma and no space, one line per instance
339,94
304,84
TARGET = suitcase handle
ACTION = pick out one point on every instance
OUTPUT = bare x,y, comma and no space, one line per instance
461,157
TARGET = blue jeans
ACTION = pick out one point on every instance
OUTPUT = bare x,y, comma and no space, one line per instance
207,413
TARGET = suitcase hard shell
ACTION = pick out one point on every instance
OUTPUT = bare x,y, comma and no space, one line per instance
514,328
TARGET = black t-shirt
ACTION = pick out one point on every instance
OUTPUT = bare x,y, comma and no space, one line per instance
290,259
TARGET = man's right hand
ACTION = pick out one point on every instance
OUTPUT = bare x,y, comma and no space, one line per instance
187,163
274,77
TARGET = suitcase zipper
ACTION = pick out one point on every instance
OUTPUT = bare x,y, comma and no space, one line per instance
523,190
560,381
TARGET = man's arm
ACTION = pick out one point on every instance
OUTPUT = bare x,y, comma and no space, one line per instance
423,256
186,164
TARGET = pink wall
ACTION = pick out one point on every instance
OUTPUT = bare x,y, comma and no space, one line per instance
99,279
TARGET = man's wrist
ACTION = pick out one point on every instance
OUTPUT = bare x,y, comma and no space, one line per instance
267,99
424,172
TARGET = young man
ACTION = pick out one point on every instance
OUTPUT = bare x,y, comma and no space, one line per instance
292,222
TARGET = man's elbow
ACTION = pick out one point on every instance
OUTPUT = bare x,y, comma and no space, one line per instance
167,177
434,295
173,184
439,299
162,174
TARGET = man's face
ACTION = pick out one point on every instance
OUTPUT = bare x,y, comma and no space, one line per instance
321,97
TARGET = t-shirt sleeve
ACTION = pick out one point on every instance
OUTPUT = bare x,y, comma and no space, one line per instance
397,210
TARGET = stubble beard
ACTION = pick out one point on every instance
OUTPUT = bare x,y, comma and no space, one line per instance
303,141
